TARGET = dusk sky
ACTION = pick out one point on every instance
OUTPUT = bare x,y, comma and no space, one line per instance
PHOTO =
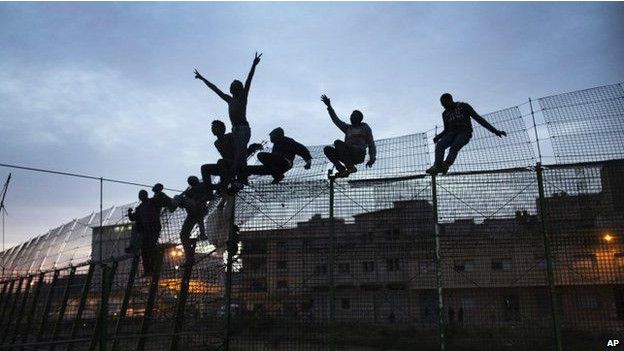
107,89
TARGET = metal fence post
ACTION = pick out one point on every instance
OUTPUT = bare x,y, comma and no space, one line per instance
81,305
46,308
61,313
228,278
6,298
548,257
182,296
100,335
14,298
438,261
20,315
33,308
5,285
331,262
151,299
126,300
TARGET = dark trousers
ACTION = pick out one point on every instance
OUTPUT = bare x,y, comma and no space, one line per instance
453,141
275,164
341,153
149,244
242,134
223,169
192,218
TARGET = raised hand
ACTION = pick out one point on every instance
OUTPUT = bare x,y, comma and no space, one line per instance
198,75
257,58
326,100
308,164
436,139
370,163
500,133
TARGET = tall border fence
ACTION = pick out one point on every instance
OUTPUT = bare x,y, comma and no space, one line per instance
519,247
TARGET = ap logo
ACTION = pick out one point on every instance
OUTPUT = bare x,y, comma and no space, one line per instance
613,343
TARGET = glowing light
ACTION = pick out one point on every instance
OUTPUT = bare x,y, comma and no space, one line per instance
608,238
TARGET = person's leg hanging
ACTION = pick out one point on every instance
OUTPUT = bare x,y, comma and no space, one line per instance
332,155
460,140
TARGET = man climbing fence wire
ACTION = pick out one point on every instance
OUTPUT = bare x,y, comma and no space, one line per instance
226,146
237,109
457,132
280,159
358,137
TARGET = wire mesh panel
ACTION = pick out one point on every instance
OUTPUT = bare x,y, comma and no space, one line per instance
398,156
384,267
492,262
279,299
275,272
585,208
586,125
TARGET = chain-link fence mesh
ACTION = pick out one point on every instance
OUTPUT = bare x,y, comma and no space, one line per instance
503,253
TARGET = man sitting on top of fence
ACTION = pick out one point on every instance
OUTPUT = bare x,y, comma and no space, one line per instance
358,136
280,159
226,147
457,132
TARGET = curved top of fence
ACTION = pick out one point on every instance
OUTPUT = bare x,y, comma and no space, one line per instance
583,126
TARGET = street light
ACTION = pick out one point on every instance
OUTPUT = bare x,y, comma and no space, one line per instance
608,238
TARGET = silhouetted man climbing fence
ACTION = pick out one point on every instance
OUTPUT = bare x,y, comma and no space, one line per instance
280,159
147,226
225,145
457,132
358,136
193,200
237,109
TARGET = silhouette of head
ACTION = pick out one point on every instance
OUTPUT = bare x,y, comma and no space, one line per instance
157,188
218,128
276,134
192,180
143,195
356,117
236,88
447,101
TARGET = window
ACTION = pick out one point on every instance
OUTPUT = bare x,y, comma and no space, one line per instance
368,266
392,264
464,266
468,303
344,268
282,265
589,302
282,285
258,286
281,245
345,304
501,264
426,266
393,234
511,308
584,262
320,269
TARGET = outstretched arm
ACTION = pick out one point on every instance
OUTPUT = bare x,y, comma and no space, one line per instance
485,123
256,61
372,149
213,87
340,124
